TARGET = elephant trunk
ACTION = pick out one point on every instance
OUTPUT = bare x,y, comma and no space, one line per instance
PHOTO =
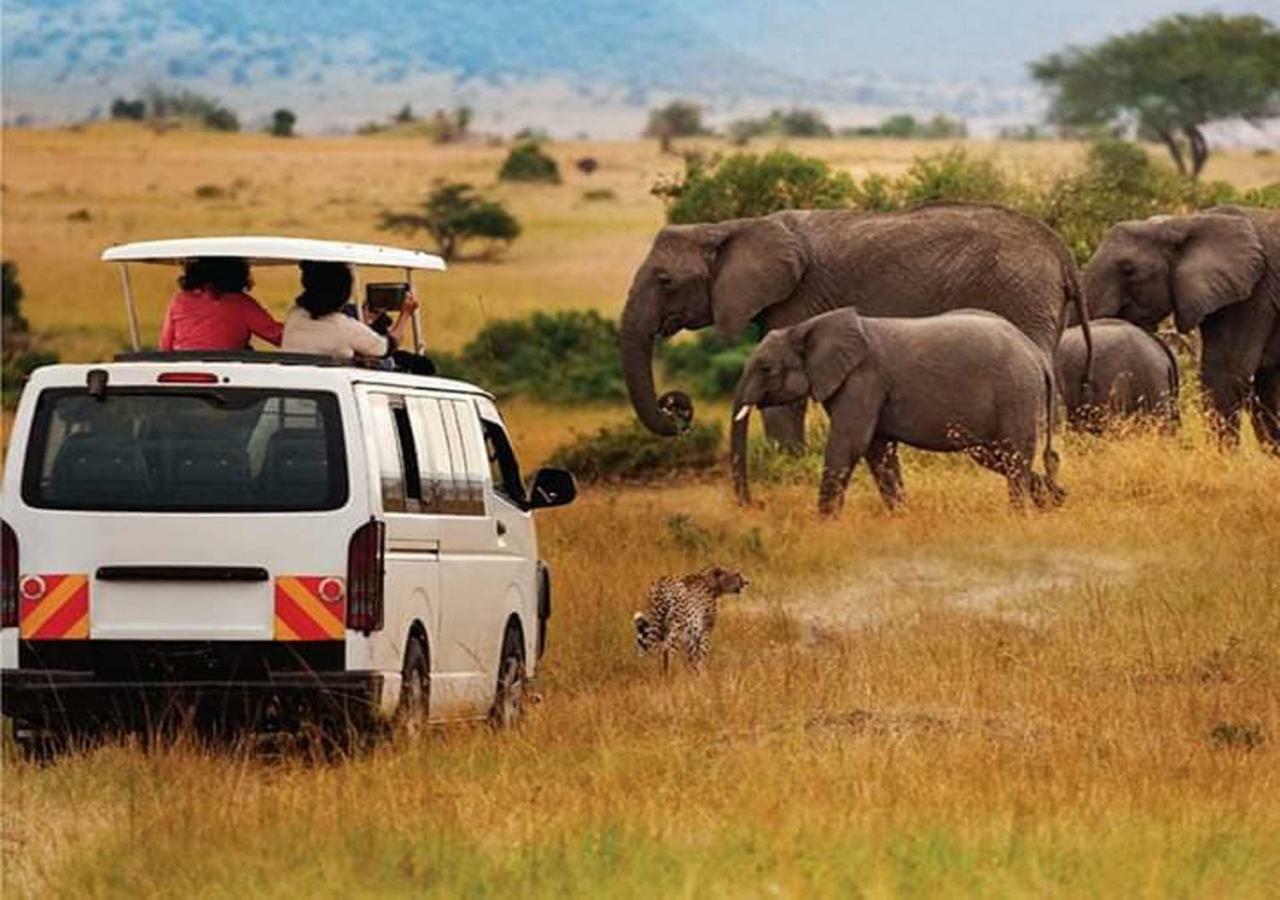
738,447
639,328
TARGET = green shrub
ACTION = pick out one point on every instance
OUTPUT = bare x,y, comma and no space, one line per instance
282,123
562,357
745,184
632,453
708,362
527,162
794,122
1118,182
954,176
679,118
22,353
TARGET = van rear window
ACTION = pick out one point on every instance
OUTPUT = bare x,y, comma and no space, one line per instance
186,450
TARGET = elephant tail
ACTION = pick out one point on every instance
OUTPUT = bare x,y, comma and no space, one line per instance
1051,459
1174,404
1073,296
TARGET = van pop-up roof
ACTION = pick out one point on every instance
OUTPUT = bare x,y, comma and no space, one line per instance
267,251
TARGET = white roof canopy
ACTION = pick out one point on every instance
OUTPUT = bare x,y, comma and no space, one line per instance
269,251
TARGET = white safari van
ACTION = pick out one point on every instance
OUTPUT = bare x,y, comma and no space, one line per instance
266,535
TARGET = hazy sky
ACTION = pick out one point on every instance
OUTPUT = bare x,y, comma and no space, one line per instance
949,39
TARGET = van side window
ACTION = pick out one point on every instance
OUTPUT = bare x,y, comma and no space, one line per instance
387,435
449,456
504,469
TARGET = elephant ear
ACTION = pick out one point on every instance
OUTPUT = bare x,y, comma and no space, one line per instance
831,345
1218,262
758,263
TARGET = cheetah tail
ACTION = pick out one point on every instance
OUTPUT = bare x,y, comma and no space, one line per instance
644,633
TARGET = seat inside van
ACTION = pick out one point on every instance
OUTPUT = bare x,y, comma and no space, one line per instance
90,468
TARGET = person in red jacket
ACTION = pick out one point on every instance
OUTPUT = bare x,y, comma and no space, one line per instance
213,311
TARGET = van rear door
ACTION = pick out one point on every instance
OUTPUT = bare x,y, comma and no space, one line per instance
188,512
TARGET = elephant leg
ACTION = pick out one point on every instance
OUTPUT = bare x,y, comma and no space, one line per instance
845,446
1265,410
1235,348
1013,464
1224,396
784,425
882,459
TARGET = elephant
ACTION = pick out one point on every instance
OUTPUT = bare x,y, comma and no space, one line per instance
1135,376
1217,271
786,267
966,380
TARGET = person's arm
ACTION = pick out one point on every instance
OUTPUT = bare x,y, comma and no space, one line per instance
261,322
406,313
166,330
362,339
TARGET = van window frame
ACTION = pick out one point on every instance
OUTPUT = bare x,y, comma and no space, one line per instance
339,493
508,464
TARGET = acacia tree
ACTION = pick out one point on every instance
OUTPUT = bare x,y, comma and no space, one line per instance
1170,79
454,213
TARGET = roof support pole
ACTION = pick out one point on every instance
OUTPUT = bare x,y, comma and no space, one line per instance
416,321
358,290
130,311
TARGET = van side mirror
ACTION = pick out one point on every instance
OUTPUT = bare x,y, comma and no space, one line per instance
552,487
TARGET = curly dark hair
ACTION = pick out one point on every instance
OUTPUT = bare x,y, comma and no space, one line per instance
326,286
224,274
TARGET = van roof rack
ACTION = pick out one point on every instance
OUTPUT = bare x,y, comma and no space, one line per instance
245,356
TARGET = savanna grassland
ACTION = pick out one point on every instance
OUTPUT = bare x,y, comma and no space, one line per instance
957,698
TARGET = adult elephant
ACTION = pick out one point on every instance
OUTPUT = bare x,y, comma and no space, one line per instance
1218,271
787,267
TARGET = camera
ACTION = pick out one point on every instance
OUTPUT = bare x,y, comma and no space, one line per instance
386,296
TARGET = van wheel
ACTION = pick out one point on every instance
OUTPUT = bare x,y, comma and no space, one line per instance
508,700
411,713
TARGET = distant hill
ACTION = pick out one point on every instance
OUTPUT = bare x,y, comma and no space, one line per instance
584,65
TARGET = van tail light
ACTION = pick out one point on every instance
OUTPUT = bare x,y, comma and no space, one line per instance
365,564
8,577
187,378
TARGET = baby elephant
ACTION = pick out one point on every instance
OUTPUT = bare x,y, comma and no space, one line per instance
966,381
1135,376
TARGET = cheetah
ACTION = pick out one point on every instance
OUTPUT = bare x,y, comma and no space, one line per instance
682,613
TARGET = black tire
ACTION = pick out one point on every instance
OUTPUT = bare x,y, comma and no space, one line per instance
509,695
415,688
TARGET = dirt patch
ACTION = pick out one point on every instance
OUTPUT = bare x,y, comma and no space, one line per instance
1017,589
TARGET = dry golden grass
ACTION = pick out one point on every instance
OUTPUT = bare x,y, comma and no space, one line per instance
956,699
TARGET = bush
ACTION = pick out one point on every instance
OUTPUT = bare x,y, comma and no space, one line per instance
21,353
745,184
221,119
562,357
599,195
527,162
708,362
1118,182
905,126
955,176
632,453
282,122
453,214
679,118
128,110
794,122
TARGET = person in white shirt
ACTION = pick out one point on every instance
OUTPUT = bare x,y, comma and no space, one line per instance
317,323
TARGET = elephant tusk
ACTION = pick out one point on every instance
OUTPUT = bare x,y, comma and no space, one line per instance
742,413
